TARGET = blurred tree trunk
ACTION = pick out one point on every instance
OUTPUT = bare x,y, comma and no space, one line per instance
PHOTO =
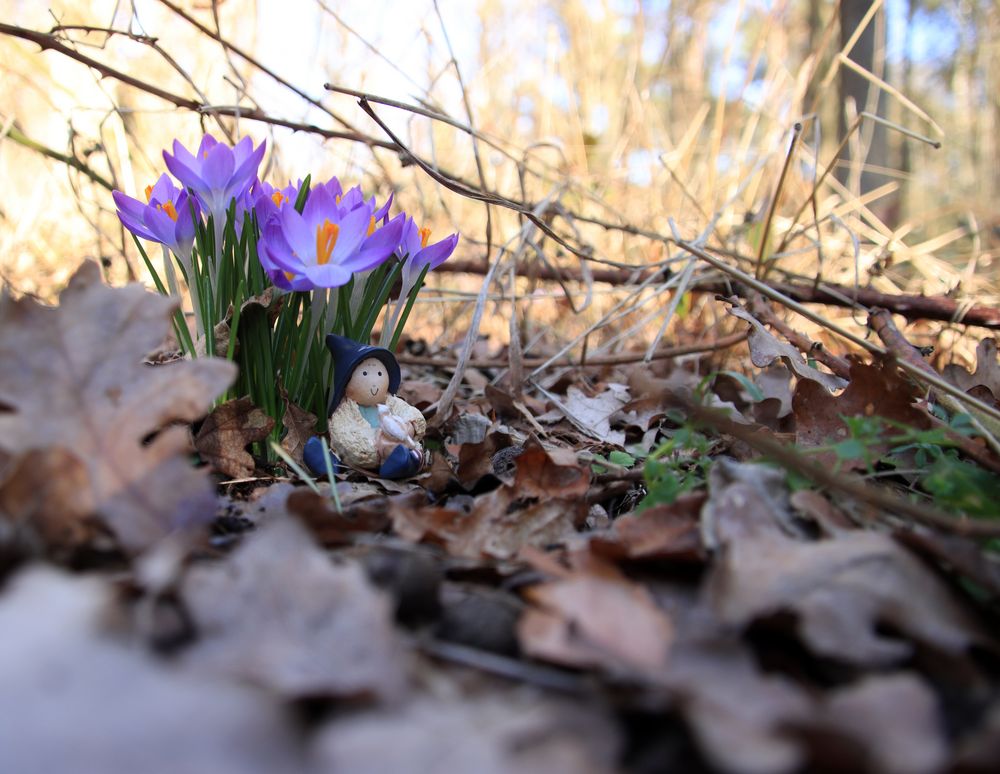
869,53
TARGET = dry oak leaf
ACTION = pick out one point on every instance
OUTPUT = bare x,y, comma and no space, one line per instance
842,590
542,507
765,349
594,616
227,431
300,426
877,389
897,720
987,373
662,532
79,697
278,612
74,381
494,731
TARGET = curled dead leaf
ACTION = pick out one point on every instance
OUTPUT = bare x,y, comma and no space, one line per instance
279,613
843,590
595,617
765,348
227,431
73,377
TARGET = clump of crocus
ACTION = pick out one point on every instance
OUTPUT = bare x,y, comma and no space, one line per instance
274,270
325,244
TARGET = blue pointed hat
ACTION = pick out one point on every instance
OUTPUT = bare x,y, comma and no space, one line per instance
347,354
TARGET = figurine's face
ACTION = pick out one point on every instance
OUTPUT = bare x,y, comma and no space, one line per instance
369,385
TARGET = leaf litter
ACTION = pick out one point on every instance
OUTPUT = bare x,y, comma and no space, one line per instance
510,609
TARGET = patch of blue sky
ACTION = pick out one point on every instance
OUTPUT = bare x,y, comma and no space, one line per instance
936,35
639,166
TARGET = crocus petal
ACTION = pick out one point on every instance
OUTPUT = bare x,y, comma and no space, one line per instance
333,187
319,206
163,190
438,253
300,238
329,275
278,250
353,230
131,207
218,168
383,212
205,146
241,150
185,156
161,225
187,175
246,169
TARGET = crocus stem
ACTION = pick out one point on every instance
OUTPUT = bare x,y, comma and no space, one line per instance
168,267
186,264
389,324
218,225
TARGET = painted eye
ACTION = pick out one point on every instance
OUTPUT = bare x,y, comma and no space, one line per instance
364,373
379,373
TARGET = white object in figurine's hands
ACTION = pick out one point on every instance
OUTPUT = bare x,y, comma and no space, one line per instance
395,429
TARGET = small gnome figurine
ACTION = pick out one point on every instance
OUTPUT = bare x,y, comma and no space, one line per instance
369,426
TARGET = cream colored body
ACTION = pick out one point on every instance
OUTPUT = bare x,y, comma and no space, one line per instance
359,444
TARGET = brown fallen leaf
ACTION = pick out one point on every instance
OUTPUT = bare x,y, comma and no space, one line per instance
227,431
895,718
595,617
494,527
43,496
543,506
591,414
550,473
79,697
665,531
843,590
745,501
74,379
492,732
987,373
765,348
300,426
877,389
279,613
740,716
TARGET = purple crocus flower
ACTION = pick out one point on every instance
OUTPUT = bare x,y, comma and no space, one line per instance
165,217
416,253
324,246
217,173
268,199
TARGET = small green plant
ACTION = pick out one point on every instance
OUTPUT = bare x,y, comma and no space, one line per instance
929,457
676,467
615,459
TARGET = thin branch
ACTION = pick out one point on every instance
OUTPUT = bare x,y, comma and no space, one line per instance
664,353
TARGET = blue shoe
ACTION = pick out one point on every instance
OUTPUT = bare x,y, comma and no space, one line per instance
314,458
401,463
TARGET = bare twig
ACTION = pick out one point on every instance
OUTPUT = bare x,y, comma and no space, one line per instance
663,353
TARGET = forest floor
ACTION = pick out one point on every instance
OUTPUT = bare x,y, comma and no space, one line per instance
625,565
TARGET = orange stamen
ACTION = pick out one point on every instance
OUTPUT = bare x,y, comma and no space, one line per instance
149,192
278,198
425,234
326,239
371,226
338,198
289,276
169,209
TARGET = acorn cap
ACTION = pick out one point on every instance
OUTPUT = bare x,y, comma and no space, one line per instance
347,354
